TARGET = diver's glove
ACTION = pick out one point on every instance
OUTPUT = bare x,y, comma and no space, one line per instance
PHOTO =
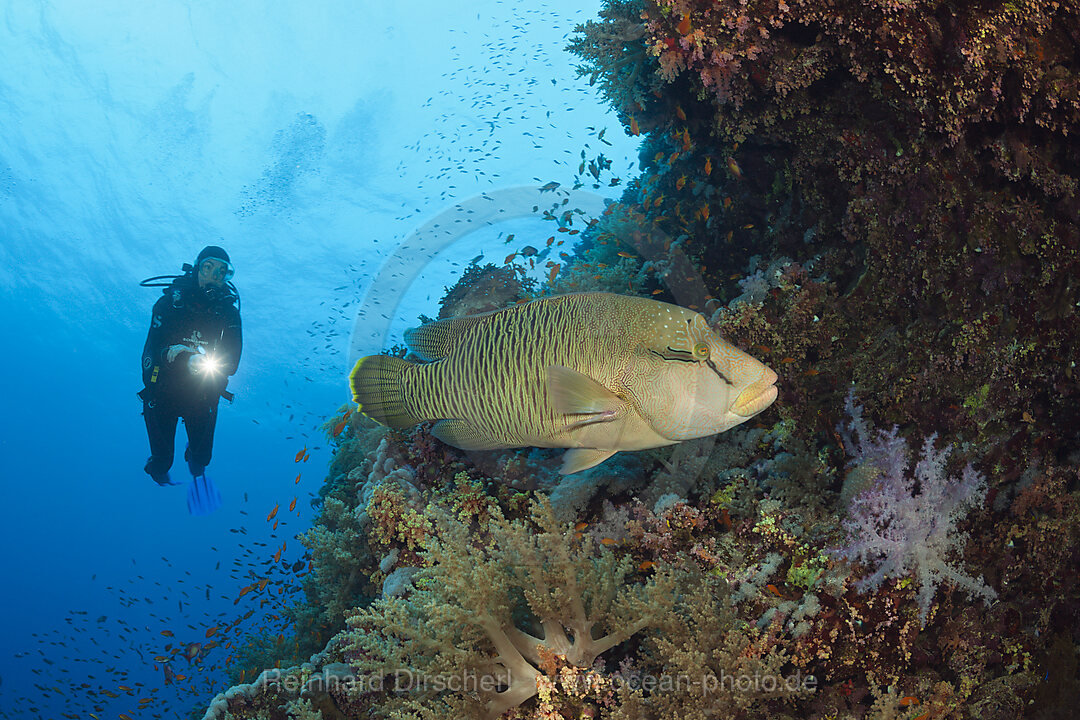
175,350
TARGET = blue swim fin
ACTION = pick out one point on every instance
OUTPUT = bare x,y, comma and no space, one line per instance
203,497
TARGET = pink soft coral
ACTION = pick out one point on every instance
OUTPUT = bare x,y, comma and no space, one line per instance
906,523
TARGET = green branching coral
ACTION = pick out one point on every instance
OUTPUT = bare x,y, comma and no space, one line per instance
498,609
614,54
703,644
338,550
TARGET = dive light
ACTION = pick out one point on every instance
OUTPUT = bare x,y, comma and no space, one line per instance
203,362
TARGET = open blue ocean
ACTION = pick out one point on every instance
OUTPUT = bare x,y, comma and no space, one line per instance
312,142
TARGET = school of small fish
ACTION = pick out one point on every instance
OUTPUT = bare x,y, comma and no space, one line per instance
172,627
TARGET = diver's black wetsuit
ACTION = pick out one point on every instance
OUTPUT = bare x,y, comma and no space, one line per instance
207,318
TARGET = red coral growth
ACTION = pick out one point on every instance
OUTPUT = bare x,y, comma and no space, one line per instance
988,63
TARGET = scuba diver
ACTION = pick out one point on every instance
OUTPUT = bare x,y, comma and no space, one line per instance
192,348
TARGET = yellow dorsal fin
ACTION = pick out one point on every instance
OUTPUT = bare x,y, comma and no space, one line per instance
435,340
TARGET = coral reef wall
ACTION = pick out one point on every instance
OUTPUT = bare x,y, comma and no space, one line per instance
881,201
922,154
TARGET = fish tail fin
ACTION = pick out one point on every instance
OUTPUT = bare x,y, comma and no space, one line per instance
375,381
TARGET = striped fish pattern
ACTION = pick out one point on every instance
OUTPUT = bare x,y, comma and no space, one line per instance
594,372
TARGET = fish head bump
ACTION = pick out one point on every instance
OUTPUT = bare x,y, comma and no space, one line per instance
699,384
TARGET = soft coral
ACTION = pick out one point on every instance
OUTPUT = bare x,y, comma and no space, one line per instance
906,523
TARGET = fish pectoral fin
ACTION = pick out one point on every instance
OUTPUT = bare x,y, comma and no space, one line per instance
578,459
574,393
465,435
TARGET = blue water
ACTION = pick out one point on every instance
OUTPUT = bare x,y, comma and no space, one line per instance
314,144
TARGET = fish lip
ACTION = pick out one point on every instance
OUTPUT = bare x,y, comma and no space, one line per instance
758,396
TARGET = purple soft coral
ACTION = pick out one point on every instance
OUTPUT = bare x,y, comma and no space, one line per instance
903,523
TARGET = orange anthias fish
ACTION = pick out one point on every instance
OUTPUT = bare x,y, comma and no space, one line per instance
272,513
300,455
292,505
340,426
733,166
684,25
634,129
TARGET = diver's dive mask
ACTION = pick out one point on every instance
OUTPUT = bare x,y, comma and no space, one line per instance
220,270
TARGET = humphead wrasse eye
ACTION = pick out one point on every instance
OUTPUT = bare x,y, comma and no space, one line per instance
701,351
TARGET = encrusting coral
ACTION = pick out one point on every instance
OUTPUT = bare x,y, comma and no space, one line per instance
920,153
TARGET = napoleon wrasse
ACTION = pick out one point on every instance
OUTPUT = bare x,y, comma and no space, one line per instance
597,373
